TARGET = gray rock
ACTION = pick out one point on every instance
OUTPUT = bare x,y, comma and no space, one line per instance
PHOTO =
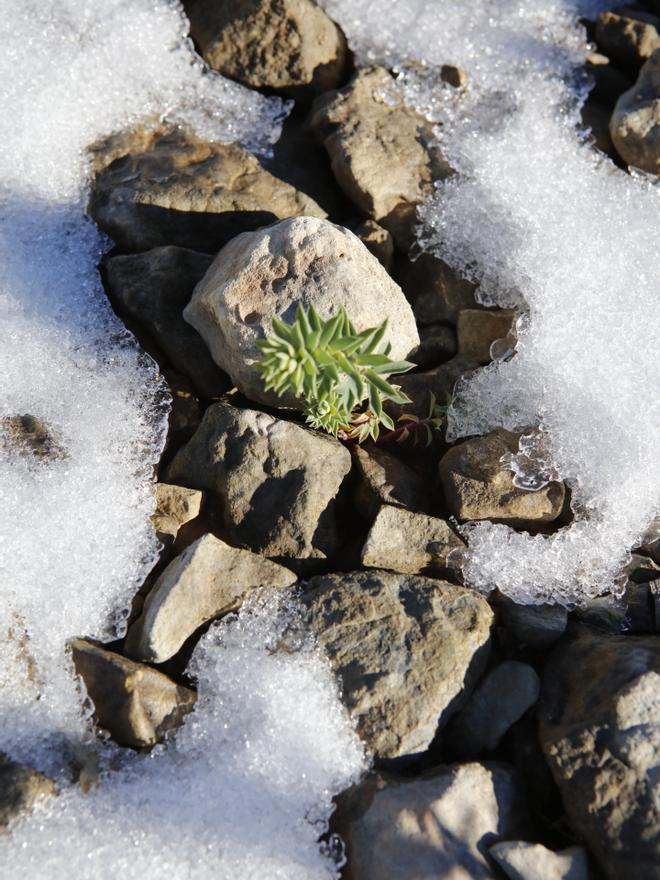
21,788
383,153
435,291
478,329
437,344
175,506
625,39
600,731
498,701
154,288
635,123
267,274
535,625
436,826
275,481
478,486
137,704
410,543
385,479
405,648
532,861
191,193
290,46
207,580
32,438
650,543
377,241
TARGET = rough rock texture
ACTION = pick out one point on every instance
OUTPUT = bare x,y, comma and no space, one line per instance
435,291
499,700
153,288
137,704
377,240
437,344
635,123
600,731
439,381
627,40
290,46
383,152
267,274
208,579
478,486
405,648
532,861
536,625
478,329
385,479
437,826
31,437
190,193
275,481
21,787
410,543
175,505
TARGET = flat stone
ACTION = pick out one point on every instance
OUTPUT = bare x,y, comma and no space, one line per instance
635,123
478,486
275,482
627,40
136,704
405,648
175,506
266,274
521,860
478,329
436,292
600,731
21,788
31,437
289,46
377,241
536,625
191,193
207,580
410,543
385,479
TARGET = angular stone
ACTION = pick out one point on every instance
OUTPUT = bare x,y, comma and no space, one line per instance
137,704
635,123
21,788
499,700
628,41
600,731
377,241
478,329
383,153
31,437
275,481
410,543
438,825
191,193
435,291
153,288
290,46
436,346
405,648
385,479
175,505
303,261
535,625
532,861
207,580
478,486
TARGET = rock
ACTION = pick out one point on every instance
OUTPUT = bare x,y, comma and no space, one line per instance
627,41
435,291
191,193
207,580
478,486
439,381
383,153
650,543
289,46
31,437
600,731
275,481
635,123
385,479
532,861
436,826
410,543
405,649
137,139
596,118
478,329
185,413
377,241
137,704
499,700
437,345
267,274
175,505
153,288
21,788
536,625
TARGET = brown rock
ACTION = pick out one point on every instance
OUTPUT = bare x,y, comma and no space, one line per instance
434,290
635,123
437,344
31,438
175,505
385,479
377,240
478,329
628,41
21,787
439,381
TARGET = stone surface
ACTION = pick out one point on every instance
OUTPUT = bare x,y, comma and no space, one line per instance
377,240
290,46
186,412
383,153
275,482
385,479
437,344
521,860
626,40
596,118
207,580
478,329
190,193
137,704
21,787
405,648
267,274
478,486
499,700
439,381
434,827
410,543
31,437
635,123
600,731
153,288
536,625
435,291
175,505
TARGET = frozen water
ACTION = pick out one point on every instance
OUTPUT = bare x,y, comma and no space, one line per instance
546,224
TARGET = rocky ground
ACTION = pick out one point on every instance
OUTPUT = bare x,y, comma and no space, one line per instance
507,740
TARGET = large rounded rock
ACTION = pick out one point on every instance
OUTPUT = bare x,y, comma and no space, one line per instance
266,274
635,123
